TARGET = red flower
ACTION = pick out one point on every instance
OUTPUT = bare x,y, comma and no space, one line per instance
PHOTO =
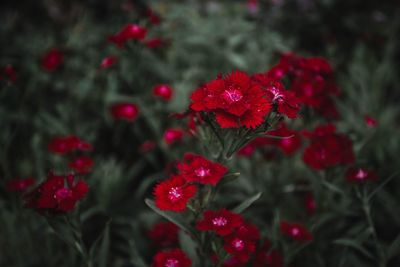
222,222
266,257
108,62
173,194
128,32
57,194
124,111
147,146
286,102
295,231
242,242
81,164
328,148
154,43
11,73
309,203
196,168
63,145
52,60
358,175
171,258
164,234
20,184
370,121
163,91
235,100
154,18
173,135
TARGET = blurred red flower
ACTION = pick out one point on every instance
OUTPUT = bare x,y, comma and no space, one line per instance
222,222
52,60
124,111
163,91
296,231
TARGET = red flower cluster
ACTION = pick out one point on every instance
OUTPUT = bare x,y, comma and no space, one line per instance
311,80
164,91
295,231
19,185
235,100
196,168
128,32
173,194
171,258
359,175
239,237
58,194
124,111
164,234
327,148
66,144
52,60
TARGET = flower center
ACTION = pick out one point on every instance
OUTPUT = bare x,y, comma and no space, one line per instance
232,95
219,221
295,231
171,263
201,172
63,193
238,244
175,193
361,174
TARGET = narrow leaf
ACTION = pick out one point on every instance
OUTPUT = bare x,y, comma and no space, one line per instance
247,203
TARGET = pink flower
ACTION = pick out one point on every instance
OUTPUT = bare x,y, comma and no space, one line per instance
173,135
108,62
124,111
359,175
164,91
171,258
222,222
370,121
295,231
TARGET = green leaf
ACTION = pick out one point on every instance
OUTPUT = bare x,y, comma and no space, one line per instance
104,237
247,203
229,178
353,244
394,248
170,216
189,246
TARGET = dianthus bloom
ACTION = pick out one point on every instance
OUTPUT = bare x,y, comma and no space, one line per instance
370,121
196,168
164,234
222,222
173,194
171,258
285,102
296,231
173,135
358,175
65,144
164,91
241,243
128,32
20,185
52,60
311,80
81,164
124,111
235,100
328,148
58,194
154,43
